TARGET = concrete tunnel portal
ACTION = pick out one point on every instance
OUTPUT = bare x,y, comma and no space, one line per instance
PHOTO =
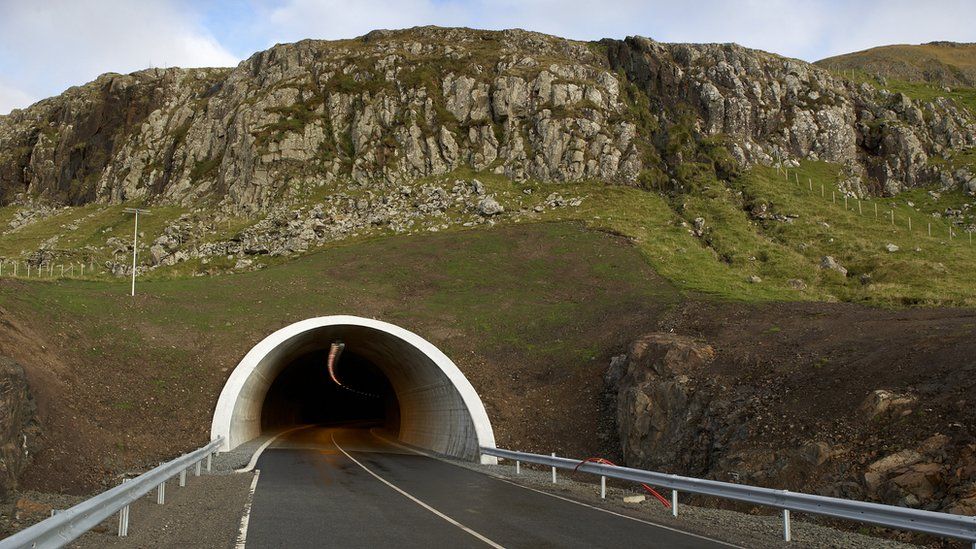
389,376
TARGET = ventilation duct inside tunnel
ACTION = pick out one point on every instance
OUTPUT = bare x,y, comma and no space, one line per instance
390,375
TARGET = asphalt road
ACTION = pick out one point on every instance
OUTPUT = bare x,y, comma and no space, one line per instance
342,487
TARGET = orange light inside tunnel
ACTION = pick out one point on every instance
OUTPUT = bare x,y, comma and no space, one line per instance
334,351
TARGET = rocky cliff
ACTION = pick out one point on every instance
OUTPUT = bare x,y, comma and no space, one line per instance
397,106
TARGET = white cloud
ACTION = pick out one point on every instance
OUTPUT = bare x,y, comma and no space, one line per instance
294,20
12,98
865,25
47,46
809,30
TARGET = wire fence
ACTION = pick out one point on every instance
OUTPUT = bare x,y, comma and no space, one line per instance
20,268
916,223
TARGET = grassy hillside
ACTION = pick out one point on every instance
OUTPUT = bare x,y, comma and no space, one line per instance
762,224
531,314
942,63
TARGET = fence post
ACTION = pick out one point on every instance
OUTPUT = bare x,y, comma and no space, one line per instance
554,470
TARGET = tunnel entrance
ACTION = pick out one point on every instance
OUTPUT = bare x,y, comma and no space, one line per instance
385,376
306,393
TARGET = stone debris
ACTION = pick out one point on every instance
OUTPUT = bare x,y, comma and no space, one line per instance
829,263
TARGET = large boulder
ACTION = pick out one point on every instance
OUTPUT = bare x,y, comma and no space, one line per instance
657,405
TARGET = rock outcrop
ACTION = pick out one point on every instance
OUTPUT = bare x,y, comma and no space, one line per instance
18,425
771,108
677,414
395,106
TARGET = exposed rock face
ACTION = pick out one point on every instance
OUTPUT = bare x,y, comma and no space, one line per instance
384,109
392,107
659,409
674,414
18,426
776,108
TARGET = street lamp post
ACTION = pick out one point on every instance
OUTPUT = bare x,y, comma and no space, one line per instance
135,241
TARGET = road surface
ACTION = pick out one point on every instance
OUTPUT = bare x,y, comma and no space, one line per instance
345,487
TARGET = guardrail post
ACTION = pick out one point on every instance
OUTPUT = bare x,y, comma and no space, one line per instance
196,472
161,493
124,518
674,503
209,461
518,467
786,525
182,478
603,487
554,470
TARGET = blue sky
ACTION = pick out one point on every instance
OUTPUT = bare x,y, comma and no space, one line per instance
47,46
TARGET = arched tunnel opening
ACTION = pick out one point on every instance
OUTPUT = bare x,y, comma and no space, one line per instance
354,392
385,376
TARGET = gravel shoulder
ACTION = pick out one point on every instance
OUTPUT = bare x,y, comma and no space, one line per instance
205,513
747,530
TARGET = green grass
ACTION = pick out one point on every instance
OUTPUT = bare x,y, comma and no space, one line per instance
545,289
734,248
919,91
925,270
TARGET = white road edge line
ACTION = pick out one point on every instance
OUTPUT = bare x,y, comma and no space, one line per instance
417,501
503,479
621,515
263,447
246,517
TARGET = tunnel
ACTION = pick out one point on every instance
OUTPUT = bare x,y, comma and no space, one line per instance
385,376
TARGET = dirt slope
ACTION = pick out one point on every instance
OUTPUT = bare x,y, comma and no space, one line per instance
531,314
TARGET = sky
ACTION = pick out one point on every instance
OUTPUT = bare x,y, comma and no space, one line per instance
47,46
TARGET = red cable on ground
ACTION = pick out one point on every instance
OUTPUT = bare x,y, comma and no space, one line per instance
605,461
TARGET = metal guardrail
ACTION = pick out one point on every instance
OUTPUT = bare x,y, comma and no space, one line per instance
902,518
69,524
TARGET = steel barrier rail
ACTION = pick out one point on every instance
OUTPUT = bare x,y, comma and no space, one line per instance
902,518
67,525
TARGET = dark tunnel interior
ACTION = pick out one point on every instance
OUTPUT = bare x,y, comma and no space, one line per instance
304,393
